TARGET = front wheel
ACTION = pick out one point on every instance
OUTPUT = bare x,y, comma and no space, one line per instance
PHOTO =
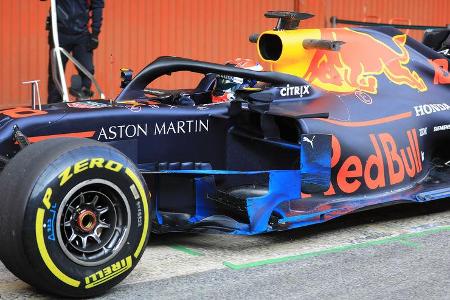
75,218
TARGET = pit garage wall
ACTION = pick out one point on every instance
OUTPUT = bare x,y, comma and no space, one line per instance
135,32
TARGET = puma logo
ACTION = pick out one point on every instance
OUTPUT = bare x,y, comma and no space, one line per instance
306,139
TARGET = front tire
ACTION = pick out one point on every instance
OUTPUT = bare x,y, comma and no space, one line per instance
75,216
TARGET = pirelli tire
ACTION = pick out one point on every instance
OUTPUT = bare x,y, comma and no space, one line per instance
74,218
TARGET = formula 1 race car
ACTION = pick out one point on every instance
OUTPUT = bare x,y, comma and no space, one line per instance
349,119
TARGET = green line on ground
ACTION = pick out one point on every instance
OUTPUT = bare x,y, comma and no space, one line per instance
408,243
185,250
402,238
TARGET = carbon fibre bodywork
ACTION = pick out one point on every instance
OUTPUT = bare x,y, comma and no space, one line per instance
292,153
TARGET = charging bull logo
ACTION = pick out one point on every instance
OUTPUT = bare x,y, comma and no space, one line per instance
356,65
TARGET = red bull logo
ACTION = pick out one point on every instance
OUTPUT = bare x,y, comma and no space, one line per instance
358,63
388,164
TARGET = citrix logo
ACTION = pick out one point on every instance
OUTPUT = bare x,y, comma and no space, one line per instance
295,90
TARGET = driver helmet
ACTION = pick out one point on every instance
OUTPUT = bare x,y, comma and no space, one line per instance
226,85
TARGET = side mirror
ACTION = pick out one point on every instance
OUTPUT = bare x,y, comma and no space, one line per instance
126,75
260,101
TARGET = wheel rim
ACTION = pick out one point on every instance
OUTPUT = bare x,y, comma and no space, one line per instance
93,222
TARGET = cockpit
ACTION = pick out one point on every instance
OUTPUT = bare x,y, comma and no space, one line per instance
238,81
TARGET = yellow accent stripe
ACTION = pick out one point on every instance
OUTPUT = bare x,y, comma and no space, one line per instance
44,253
138,184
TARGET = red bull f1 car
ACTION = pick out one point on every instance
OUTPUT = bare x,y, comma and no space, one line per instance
348,119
